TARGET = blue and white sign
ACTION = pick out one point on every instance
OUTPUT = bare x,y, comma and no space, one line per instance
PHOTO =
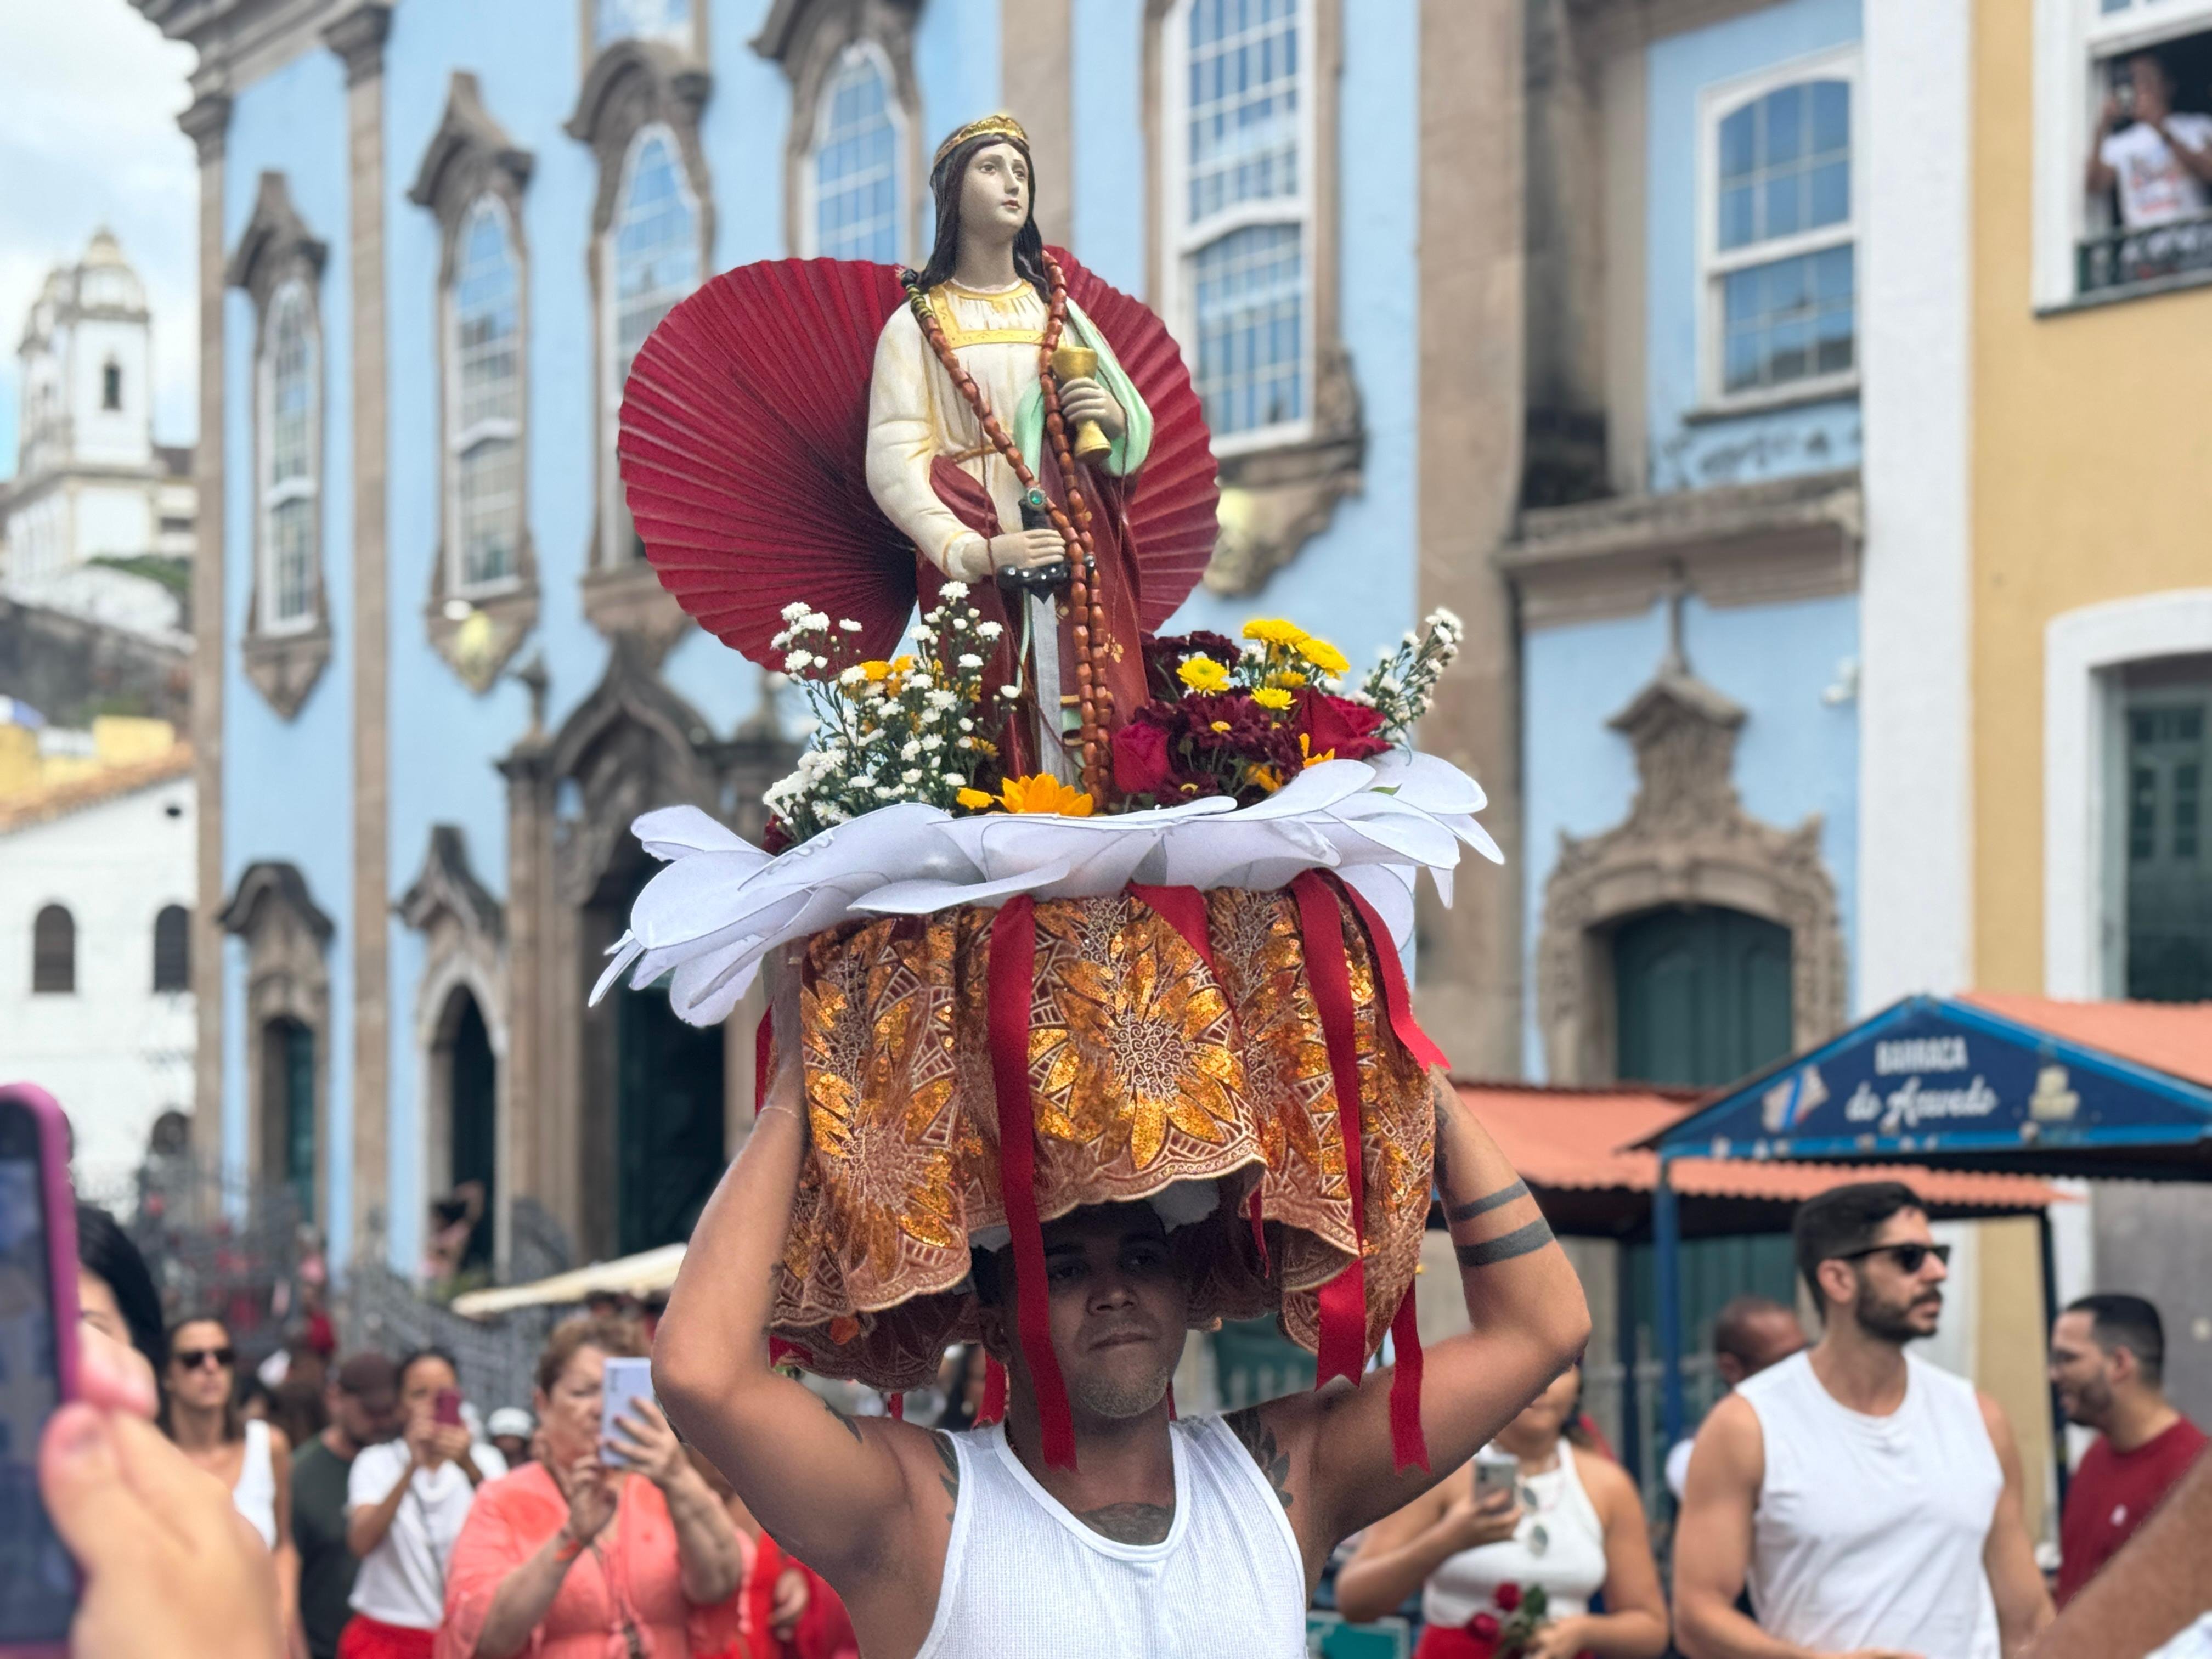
1931,1073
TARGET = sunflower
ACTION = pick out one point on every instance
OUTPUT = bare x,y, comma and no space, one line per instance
1040,793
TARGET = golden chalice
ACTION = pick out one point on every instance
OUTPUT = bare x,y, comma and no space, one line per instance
1075,362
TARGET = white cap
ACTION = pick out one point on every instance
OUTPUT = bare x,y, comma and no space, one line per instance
510,1419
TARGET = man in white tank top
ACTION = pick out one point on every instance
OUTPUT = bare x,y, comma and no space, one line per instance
1201,1538
1870,1501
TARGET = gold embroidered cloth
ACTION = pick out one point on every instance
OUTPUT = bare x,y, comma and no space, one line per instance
1147,1068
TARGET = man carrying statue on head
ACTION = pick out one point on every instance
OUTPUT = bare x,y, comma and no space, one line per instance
1069,1082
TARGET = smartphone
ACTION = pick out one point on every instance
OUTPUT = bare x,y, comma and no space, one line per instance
446,1410
1495,1472
38,1356
628,1381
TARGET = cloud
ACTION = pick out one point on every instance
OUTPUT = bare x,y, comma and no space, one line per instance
88,136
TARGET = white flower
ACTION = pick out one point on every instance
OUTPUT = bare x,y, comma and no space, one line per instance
885,792
967,743
969,660
931,744
798,661
814,621
990,630
849,626
957,780
852,676
967,726
954,590
912,774
910,750
795,610
942,700
1009,692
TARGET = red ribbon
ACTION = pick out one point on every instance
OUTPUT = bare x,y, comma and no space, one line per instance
1011,987
994,1409
1344,1299
1392,973
764,1055
1408,1445
1182,908
1259,1228
779,1352
897,1402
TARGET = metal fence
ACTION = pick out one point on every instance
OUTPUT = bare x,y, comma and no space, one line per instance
2180,247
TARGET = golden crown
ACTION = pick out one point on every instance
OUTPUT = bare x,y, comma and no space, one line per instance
1001,126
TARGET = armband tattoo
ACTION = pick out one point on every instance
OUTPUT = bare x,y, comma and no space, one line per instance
1475,1206
1520,1242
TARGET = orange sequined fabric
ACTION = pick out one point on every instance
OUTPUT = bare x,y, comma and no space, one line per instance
1146,1069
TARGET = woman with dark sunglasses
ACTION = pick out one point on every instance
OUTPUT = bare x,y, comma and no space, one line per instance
251,1458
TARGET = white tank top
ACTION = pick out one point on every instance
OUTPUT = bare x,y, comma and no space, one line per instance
1025,1579
255,1494
1869,1530
1559,1544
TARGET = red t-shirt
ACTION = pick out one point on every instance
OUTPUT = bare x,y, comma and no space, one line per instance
2112,1494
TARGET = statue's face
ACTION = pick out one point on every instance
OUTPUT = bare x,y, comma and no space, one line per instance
994,192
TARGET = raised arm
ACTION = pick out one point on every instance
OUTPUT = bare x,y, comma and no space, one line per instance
836,1491
1527,1324
2008,1556
2097,175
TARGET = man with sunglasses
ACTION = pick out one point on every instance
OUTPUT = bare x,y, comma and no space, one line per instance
1870,1501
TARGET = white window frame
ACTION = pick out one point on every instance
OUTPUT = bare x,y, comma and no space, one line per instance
271,494
459,439
810,230
2073,42
613,516
1715,102
1180,241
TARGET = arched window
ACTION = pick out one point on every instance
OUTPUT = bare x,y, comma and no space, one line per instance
483,440
1780,258
857,167
173,949
291,436
111,385
1241,211
53,953
653,243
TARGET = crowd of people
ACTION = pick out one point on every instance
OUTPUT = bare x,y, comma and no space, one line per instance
1844,1498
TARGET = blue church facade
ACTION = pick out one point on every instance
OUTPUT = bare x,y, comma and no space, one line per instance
1545,314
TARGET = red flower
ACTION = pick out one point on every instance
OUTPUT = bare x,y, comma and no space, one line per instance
1142,764
1508,1597
1338,724
1483,1627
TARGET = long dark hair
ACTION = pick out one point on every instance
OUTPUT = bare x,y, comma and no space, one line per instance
234,1426
944,185
105,1250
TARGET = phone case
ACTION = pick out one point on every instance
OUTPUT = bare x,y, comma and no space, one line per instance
60,1202
628,1381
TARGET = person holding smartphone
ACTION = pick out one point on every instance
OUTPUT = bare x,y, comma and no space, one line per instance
1528,1511
406,1501
611,1542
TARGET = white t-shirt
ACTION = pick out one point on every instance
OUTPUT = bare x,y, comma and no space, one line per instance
2155,188
403,1580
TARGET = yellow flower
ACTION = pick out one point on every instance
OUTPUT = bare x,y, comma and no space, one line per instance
976,800
1203,674
1289,677
1272,697
1220,725
1044,793
1267,777
1321,654
903,664
876,669
1273,630
1305,748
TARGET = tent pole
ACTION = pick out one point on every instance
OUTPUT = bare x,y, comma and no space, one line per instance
2044,1240
1667,1271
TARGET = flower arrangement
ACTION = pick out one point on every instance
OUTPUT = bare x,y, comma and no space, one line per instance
1526,1614
919,728
1242,719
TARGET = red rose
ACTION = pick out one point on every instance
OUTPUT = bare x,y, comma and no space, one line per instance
1340,725
1508,1597
1484,1628
1141,763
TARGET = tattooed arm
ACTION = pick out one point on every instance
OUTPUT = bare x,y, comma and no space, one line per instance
1527,1322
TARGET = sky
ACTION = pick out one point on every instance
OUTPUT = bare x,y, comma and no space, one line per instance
89,96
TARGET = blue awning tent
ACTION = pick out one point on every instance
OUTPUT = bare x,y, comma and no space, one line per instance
2011,1084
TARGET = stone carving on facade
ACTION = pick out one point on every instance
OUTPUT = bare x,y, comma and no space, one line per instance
1686,841
274,248
806,39
463,929
470,157
1275,499
287,938
631,85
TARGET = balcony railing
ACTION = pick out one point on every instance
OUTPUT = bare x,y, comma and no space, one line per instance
2128,258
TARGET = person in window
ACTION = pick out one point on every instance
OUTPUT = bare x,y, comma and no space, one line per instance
2161,159
253,1460
1575,1527
600,1547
